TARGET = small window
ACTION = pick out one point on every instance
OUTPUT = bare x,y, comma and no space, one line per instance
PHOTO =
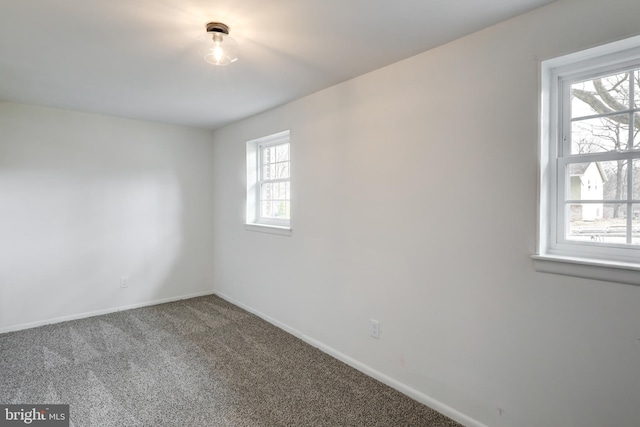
269,183
591,133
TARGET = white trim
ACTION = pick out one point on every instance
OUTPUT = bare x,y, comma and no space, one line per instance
275,138
608,271
100,312
267,228
555,253
367,370
604,55
253,153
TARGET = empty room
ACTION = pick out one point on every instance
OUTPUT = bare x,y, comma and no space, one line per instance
320,213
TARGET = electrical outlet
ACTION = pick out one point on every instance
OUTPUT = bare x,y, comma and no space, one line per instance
375,329
124,282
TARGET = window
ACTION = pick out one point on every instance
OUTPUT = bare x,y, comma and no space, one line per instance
590,161
269,184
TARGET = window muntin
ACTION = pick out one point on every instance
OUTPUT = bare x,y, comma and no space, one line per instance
582,130
268,203
274,195
599,162
602,113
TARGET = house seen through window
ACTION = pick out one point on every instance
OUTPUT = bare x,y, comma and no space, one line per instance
600,151
590,195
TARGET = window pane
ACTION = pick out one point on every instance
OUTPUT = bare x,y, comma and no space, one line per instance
275,209
597,180
279,191
636,180
586,181
636,131
282,152
275,171
268,155
275,191
268,172
597,222
600,95
266,191
275,153
600,134
281,170
635,233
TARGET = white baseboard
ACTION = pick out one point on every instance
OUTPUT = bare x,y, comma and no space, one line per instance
385,379
99,312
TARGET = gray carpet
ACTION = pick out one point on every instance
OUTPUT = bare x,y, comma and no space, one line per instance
197,362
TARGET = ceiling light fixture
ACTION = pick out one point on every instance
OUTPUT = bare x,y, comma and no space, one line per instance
219,48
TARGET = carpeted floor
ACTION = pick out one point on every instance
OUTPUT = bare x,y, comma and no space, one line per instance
197,362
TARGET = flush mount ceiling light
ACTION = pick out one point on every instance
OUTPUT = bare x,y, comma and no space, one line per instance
218,48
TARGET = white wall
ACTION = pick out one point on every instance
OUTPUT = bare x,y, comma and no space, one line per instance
415,204
86,199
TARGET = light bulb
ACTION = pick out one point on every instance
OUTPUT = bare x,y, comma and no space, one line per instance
218,47
218,51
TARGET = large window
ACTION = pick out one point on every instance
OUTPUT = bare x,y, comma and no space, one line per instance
590,156
269,182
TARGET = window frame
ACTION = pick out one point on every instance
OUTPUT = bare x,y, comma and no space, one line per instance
254,219
555,253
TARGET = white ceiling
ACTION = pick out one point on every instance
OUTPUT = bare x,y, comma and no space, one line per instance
139,58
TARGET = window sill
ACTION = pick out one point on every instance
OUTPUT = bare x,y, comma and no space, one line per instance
608,271
269,229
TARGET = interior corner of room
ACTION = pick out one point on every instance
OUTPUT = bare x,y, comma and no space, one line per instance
406,248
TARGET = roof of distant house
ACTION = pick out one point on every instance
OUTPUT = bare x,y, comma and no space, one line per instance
578,169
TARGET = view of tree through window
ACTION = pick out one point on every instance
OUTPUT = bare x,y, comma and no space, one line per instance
602,152
275,186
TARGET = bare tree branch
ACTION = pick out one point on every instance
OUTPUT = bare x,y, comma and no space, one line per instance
606,96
